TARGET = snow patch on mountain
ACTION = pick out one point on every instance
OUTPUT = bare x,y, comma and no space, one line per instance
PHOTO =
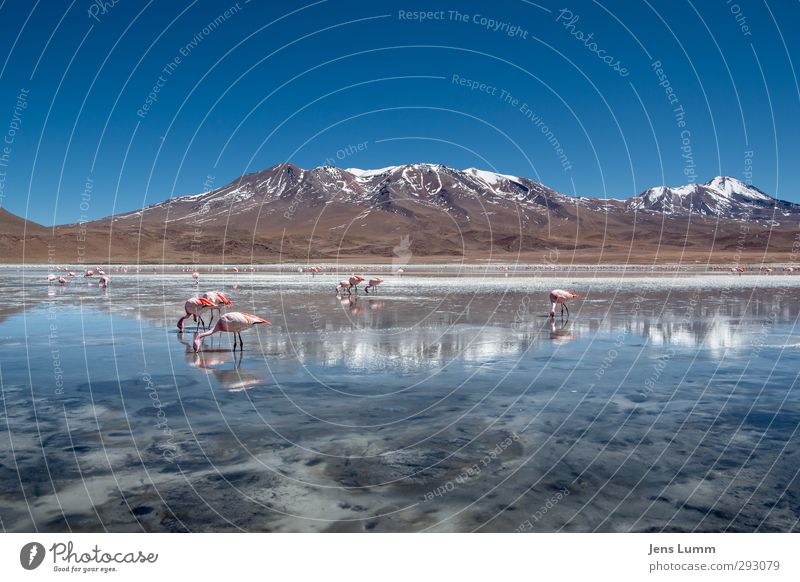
366,174
730,186
490,177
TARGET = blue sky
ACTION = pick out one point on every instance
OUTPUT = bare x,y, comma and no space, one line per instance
308,82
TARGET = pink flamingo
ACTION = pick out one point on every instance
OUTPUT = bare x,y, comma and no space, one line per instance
104,281
219,300
354,281
234,322
89,273
72,273
314,271
374,282
343,284
50,279
235,269
194,308
62,280
195,276
559,296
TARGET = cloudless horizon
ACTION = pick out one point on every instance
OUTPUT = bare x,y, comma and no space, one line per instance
106,107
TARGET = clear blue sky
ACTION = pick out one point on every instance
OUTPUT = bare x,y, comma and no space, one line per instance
309,81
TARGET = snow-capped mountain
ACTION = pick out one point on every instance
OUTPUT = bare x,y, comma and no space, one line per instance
406,189
437,197
428,210
286,189
723,197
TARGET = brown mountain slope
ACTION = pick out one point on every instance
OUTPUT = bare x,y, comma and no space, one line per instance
428,212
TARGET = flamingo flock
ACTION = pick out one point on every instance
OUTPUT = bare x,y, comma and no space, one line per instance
349,284
234,322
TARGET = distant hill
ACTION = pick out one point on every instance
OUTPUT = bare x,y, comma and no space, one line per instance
11,224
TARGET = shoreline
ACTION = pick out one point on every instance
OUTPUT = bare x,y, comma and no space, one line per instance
496,267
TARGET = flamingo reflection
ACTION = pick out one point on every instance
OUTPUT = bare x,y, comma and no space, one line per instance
561,332
225,366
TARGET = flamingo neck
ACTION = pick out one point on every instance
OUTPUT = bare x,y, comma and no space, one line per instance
208,333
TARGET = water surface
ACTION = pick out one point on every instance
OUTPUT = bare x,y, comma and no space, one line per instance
439,404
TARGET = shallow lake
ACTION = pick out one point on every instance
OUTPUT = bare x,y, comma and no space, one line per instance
442,403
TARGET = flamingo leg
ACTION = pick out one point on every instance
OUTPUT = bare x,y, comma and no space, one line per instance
366,290
241,342
564,305
210,321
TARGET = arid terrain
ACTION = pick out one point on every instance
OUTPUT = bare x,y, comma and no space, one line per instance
422,213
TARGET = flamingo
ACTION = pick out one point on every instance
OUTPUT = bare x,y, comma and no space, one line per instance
374,282
50,279
62,280
72,273
89,273
559,296
219,300
235,269
354,281
195,276
194,308
314,271
343,284
104,281
234,322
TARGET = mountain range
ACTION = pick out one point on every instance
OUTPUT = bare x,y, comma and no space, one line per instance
421,212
